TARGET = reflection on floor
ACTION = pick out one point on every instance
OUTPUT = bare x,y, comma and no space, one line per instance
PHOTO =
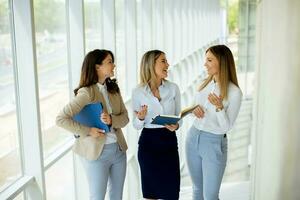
229,191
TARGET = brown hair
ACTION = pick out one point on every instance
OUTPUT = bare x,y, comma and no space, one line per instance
227,71
89,75
147,72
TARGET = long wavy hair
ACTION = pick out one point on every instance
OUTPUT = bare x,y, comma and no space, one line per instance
227,72
147,72
89,75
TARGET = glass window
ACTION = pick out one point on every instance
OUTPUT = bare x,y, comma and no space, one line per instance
243,48
92,16
60,179
10,164
20,196
51,50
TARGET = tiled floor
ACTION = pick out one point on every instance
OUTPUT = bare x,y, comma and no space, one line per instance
229,191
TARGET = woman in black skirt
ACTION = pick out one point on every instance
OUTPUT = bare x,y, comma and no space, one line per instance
158,151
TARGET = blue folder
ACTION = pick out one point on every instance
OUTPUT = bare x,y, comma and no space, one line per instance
90,116
173,119
164,119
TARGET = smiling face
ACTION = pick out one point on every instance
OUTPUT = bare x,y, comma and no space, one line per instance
106,68
212,64
161,67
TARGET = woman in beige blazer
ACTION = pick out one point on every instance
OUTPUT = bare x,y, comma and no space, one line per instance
103,154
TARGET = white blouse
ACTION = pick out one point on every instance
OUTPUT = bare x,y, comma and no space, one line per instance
170,103
218,122
110,136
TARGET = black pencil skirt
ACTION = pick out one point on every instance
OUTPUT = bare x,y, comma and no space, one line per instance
159,164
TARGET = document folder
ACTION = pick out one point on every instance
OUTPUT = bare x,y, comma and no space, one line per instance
90,116
172,119
165,120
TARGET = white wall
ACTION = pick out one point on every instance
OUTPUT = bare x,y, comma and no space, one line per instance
277,111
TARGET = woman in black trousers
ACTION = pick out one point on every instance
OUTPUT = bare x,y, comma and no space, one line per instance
158,152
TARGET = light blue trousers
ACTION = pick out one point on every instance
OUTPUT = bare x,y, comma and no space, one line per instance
109,168
206,155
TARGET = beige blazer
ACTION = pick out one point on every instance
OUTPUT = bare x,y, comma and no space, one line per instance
86,145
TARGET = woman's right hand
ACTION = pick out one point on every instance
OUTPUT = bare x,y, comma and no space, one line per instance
96,132
142,113
198,112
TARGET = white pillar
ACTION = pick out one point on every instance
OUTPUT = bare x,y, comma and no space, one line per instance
108,25
76,41
146,26
76,52
131,62
28,98
277,112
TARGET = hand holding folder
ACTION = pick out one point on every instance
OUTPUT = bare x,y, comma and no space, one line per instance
172,119
90,116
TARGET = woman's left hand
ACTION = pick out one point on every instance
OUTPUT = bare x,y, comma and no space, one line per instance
105,118
215,100
172,127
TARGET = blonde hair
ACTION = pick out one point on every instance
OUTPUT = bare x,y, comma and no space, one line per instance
147,72
227,71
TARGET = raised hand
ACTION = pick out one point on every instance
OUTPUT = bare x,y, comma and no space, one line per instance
215,100
142,113
198,112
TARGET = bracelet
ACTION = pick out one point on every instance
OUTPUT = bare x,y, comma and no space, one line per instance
219,109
